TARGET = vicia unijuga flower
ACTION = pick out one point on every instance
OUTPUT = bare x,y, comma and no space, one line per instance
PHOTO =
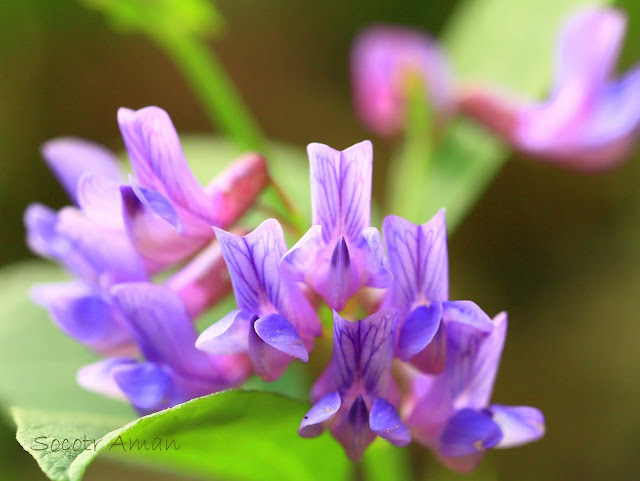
172,370
420,291
274,323
386,64
591,120
450,412
341,252
356,396
167,213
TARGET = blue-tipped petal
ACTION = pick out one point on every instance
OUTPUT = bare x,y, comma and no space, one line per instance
385,421
519,424
146,385
280,334
158,204
418,330
326,407
268,362
469,432
468,313
98,376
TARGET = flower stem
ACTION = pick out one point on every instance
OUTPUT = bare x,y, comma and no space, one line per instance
214,89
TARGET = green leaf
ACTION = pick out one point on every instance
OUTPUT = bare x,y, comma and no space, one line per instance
38,362
383,461
504,43
236,435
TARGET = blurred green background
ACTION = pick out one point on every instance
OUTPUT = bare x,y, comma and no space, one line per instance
559,251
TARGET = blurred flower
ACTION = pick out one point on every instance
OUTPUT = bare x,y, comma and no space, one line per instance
387,62
420,291
356,395
341,252
167,213
173,371
89,240
450,412
274,322
590,121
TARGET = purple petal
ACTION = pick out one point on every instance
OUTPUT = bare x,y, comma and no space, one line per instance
324,409
278,333
480,373
385,62
160,324
341,189
301,260
418,258
99,199
108,252
337,280
519,424
588,48
418,330
385,421
230,335
268,362
353,432
468,313
146,385
98,377
69,158
158,161
469,432
374,261
43,237
153,237
432,359
203,282
158,204
364,350
84,315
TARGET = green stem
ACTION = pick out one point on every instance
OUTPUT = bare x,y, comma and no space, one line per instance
214,89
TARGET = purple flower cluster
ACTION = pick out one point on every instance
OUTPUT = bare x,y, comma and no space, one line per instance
443,353
590,121
117,236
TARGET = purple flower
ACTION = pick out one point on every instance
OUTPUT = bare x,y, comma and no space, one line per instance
450,412
591,120
173,370
341,252
420,291
89,240
167,213
274,322
356,395
386,63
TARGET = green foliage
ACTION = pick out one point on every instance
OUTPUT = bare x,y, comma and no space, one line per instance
239,435
503,43
156,18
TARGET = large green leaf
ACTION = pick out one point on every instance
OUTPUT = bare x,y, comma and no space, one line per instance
504,43
233,435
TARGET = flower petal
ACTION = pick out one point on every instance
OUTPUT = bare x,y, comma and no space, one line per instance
153,237
99,199
385,421
418,258
341,189
146,385
158,204
324,409
519,424
280,334
230,335
98,376
268,362
418,330
84,315
353,430
203,282
469,432
374,260
69,158
158,161
301,260
432,359
160,324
